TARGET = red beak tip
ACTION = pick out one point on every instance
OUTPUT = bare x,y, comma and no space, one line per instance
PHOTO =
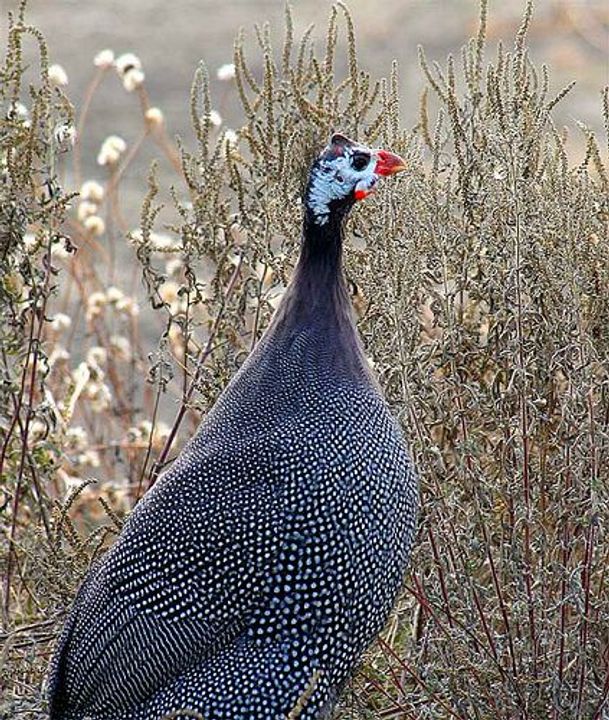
389,164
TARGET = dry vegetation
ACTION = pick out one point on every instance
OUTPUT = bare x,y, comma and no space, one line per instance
481,281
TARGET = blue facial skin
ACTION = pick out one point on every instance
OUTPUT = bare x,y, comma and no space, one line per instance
343,169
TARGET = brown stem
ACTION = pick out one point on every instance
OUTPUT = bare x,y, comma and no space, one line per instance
86,104
586,573
34,342
524,420
419,681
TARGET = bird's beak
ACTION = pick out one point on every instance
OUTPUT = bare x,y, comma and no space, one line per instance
388,164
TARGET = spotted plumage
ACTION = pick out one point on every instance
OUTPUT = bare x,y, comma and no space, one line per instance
264,561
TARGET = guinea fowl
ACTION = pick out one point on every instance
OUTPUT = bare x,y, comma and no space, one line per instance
252,576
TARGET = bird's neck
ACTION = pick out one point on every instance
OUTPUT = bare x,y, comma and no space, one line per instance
313,327
317,294
318,276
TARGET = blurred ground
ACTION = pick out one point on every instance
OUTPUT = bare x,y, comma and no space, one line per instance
171,37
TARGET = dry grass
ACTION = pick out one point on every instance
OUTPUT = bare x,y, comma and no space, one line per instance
482,286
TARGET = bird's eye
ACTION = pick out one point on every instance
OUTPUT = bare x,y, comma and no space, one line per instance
360,161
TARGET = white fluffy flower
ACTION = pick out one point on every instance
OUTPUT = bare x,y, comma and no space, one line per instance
114,294
77,438
60,250
65,134
92,190
174,266
121,345
132,79
95,304
229,138
88,458
117,142
100,396
111,150
126,62
162,242
58,354
17,111
226,71
135,237
127,306
215,118
37,430
57,75
85,210
61,321
97,356
30,241
95,225
154,116
104,58
158,241
107,156
169,291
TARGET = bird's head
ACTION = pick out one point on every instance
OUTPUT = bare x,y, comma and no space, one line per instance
344,173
